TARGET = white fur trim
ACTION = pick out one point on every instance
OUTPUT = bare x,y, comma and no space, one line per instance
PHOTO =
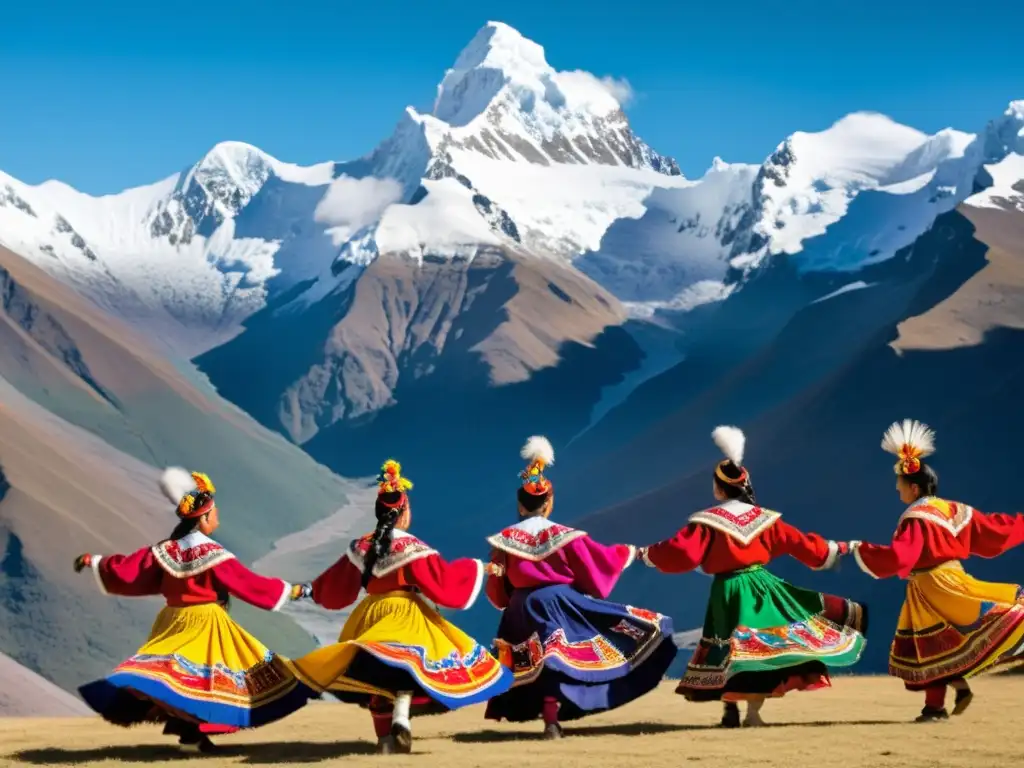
830,559
285,596
855,548
631,558
731,442
94,566
538,447
480,574
909,432
175,482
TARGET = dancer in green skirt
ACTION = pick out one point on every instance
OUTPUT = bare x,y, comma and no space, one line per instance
762,636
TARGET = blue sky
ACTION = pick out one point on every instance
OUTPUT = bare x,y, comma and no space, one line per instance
107,95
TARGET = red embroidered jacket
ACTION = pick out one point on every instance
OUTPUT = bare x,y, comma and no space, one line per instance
736,535
933,531
410,564
192,570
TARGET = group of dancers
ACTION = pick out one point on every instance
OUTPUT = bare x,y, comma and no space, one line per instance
563,650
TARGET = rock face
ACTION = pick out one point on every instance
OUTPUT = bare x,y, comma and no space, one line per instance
88,417
402,320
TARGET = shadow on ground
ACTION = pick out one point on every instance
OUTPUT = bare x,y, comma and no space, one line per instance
252,754
638,729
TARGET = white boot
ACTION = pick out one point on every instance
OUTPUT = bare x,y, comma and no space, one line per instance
753,718
401,727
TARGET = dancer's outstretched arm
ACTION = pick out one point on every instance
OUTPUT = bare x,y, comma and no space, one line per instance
597,567
134,575
454,584
683,552
265,592
338,586
880,561
995,533
812,550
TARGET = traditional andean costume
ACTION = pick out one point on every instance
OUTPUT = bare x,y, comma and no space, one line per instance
572,651
396,650
762,637
952,626
199,671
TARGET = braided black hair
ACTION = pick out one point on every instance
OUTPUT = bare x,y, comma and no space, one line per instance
184,527
743,492
387,519
533,502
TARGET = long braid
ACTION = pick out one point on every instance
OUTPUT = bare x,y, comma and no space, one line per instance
391,503
380,545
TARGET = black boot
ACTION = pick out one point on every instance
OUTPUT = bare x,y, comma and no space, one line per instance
964,697
731,715
930,715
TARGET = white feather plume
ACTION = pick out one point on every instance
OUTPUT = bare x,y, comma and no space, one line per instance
538,447
176,482
909,432
730,441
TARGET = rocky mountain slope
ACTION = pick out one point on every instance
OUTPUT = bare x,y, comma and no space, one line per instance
88,416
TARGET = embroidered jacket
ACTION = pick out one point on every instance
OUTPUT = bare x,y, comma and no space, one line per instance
538,552
191,570
410,564
735,535
933,531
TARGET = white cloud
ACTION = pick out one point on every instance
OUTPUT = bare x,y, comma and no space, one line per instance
620,89
352,204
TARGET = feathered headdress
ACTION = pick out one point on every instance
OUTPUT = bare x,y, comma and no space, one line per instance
192,492
538,454
910,441
730,441
390,482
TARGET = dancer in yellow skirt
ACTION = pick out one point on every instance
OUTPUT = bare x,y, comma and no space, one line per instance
952,626
199,672
396,649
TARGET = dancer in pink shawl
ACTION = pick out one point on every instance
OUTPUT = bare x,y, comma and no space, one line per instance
571,652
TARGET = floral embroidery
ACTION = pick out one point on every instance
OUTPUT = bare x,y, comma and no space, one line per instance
190,556
742,522
405,549
534,546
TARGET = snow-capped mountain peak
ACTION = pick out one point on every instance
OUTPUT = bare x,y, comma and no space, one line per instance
1003,173
500,59
504,101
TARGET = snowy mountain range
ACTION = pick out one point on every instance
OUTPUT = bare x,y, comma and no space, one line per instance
514,156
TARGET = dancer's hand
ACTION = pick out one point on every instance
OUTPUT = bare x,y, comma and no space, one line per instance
494,569
82,562
302,591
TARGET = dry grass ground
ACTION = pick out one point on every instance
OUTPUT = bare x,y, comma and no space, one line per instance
860,722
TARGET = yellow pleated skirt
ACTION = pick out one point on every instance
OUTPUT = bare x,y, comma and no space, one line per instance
955,626
397,642
198,663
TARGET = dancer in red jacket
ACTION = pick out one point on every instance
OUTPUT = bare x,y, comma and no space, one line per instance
952,626
762,636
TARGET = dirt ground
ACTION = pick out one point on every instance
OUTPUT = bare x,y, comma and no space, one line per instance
859,722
